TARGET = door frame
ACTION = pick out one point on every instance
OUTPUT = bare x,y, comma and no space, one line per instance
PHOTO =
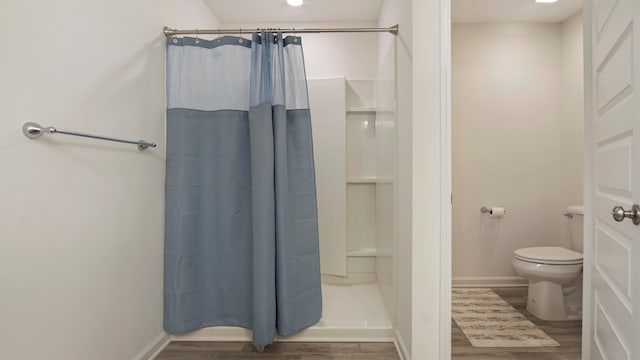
445,161
431,180
588,176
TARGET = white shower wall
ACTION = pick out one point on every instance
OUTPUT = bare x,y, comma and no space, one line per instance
81,225
517,130
400,299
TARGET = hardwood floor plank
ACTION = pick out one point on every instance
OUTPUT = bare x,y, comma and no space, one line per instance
207,350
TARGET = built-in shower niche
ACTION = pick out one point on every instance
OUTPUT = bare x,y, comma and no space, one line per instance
353,135
369,145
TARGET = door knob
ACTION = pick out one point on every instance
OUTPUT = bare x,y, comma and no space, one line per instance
619,213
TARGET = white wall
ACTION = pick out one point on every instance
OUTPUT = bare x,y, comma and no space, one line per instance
516,142
81,224
400,12
572,108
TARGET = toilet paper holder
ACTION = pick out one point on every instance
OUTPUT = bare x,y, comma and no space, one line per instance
485,210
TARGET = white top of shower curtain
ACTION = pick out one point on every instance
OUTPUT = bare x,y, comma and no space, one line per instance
216,75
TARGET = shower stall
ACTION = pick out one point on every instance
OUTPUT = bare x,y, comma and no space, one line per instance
350,73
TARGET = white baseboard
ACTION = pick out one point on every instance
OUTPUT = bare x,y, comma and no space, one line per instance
403,352
490,281
154,347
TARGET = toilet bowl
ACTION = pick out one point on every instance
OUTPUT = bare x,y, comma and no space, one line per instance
554,286
555,275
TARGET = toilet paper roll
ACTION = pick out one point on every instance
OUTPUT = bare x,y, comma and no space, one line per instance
497,212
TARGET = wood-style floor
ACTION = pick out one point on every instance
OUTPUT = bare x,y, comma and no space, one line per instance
567,333
181,350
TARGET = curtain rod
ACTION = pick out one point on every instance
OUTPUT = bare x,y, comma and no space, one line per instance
173,32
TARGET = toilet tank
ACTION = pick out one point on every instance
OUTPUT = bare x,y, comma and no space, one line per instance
576,221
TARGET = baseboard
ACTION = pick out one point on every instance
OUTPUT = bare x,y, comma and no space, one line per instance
490,281
154,347
403,352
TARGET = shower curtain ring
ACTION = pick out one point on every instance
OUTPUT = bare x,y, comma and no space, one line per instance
197,40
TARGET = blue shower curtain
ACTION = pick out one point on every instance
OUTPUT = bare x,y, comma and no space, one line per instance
241,227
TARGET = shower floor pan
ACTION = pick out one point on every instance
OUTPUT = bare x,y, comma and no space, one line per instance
351,313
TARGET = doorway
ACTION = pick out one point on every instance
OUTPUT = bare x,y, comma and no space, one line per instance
517,118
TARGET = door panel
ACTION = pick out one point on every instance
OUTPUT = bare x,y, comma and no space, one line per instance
613,123
603,12
615,272
607,338
615,74
614,171
612,258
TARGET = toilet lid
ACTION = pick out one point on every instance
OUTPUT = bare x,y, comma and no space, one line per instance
549,255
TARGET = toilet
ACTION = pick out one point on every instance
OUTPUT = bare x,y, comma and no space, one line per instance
554,274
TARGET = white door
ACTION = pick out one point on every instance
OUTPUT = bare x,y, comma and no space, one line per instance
612,312
328,112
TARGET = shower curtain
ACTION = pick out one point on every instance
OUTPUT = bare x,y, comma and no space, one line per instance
241,228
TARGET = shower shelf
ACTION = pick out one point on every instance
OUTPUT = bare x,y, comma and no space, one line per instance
366,252
358,109
361,180
362,252
369,180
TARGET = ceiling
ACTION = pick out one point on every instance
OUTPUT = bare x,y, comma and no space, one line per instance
368,11
485,11
312,11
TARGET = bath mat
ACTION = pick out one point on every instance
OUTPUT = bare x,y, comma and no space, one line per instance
489,321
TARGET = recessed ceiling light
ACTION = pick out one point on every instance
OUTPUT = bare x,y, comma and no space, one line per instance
546,1
294,2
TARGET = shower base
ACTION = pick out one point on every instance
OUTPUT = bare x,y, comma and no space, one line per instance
351,313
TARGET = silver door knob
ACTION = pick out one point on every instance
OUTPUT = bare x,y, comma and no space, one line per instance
619,213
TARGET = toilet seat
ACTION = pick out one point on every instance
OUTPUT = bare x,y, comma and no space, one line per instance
552,255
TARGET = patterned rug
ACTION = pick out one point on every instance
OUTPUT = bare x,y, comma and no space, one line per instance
488,321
